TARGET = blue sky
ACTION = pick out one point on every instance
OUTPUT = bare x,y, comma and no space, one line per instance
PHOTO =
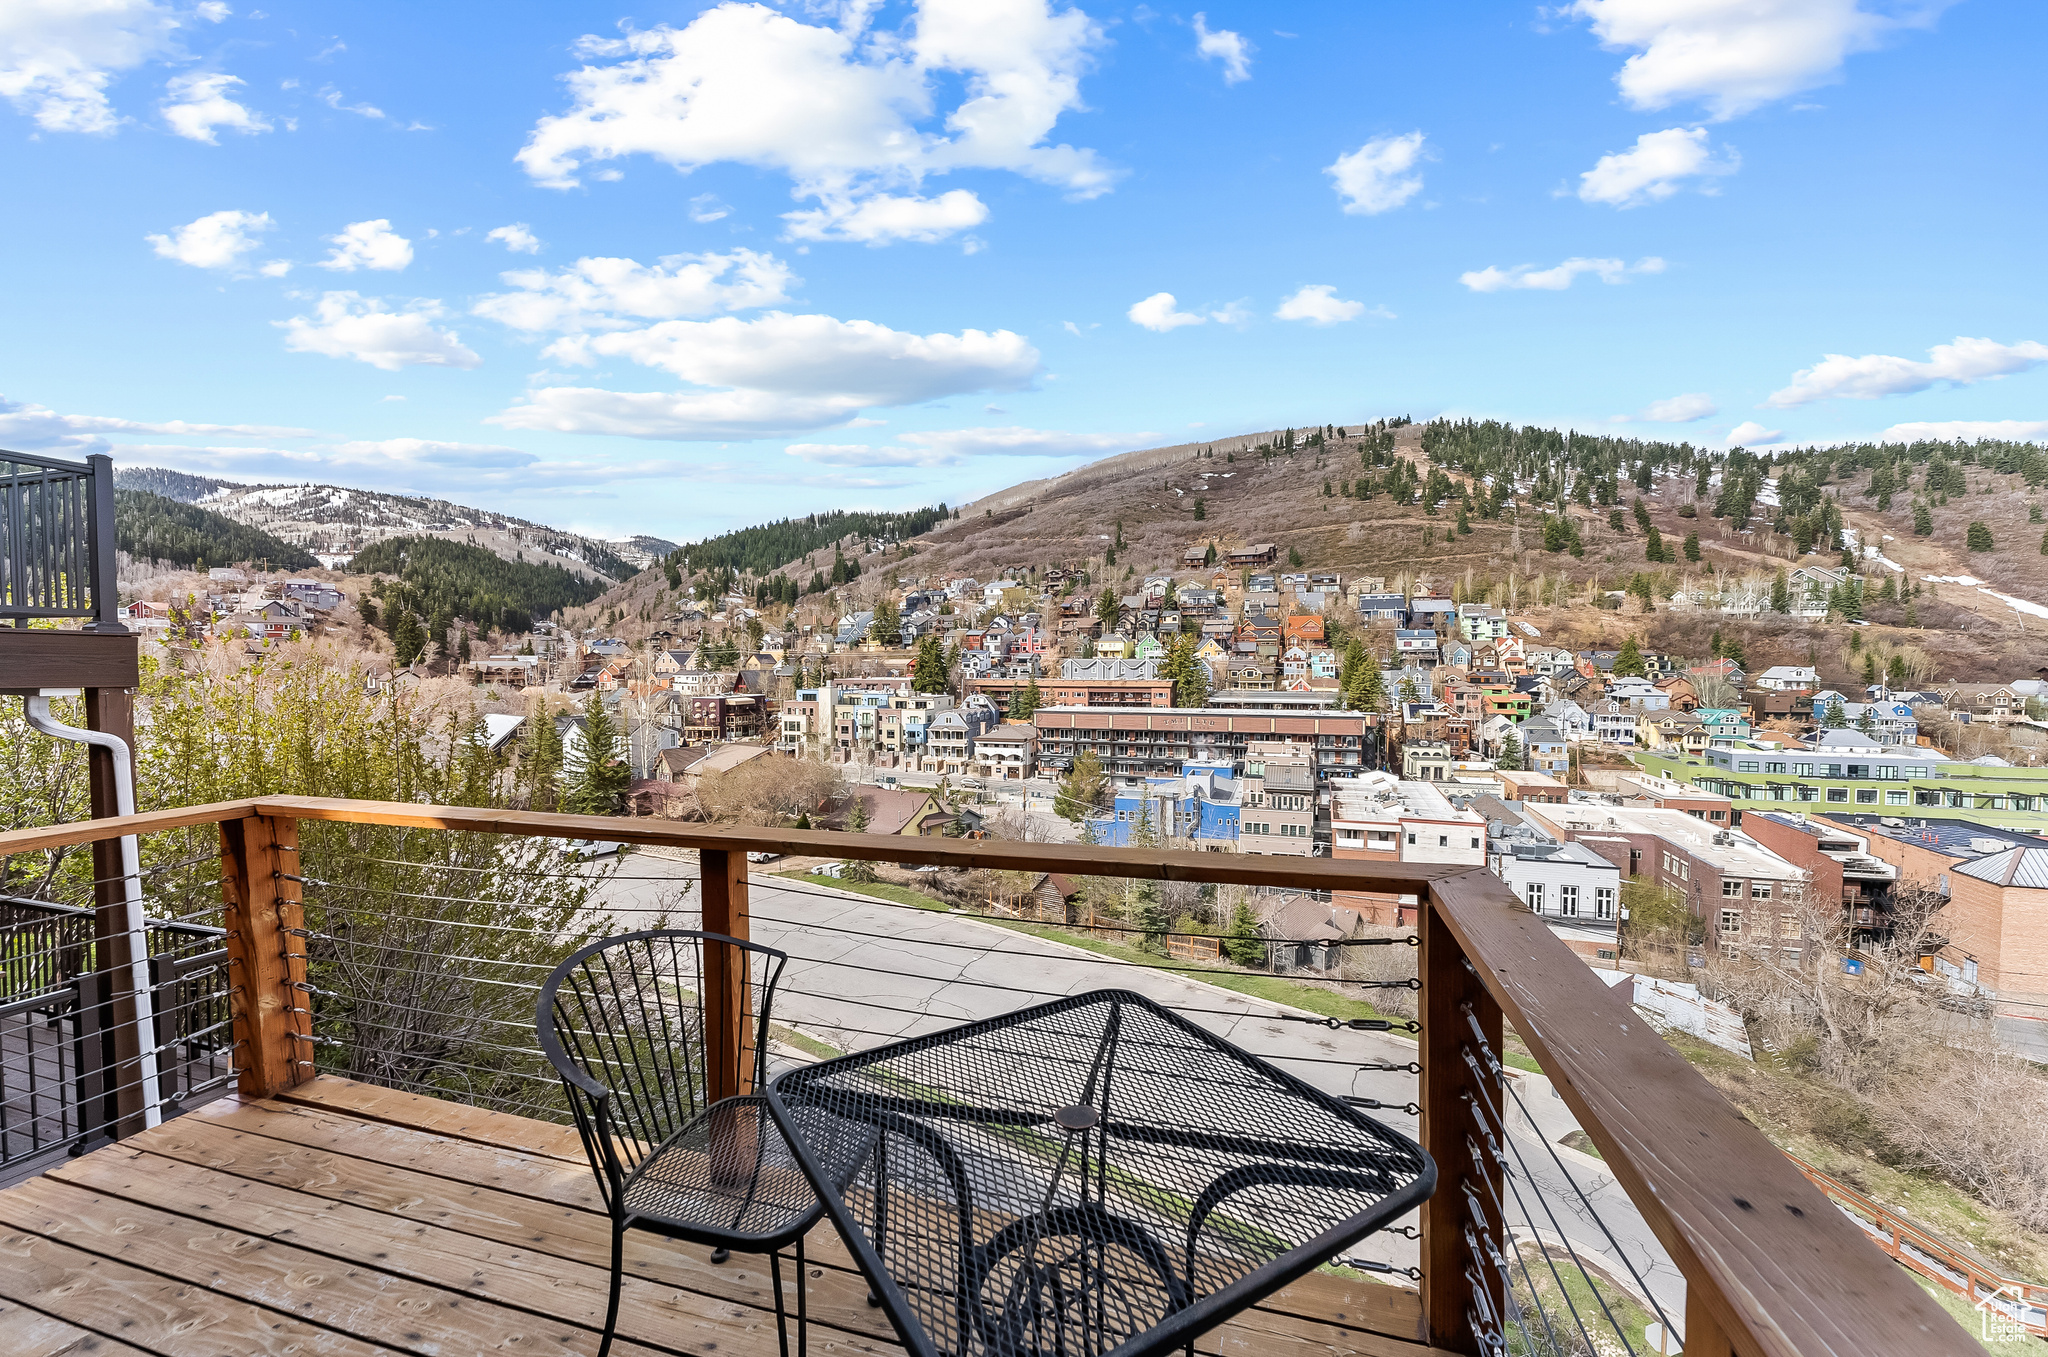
688,267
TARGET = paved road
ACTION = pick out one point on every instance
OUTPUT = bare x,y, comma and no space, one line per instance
864,971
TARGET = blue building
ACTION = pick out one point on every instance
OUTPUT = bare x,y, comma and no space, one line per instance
1199,809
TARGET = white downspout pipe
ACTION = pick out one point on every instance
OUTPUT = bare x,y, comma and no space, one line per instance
36,708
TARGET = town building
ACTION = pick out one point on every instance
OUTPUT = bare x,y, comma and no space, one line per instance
1575,890
1279,815
1376,817
1137,743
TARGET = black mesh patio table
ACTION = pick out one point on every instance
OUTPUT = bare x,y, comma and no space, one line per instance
1092,1177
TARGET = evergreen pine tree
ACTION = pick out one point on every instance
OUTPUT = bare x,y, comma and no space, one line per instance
541,768
1151,918
858,870
1080,791
1243,944
928,674
1781,593
1692,547
1835,718
1629,663
598,775
1510,756
1923,521
1978,537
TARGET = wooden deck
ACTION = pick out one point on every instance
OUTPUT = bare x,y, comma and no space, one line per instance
352,1220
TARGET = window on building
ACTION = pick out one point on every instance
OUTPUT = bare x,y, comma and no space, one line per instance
1838,793
1897,798
1411,840
1866,796
1603,902
1731,921
1746,766
1443,841
1759,890
1534,893
1568,901
1730,886
1475,841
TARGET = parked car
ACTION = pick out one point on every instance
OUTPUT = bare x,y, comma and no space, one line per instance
584,849
763,857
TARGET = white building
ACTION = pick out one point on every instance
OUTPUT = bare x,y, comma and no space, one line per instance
1575,890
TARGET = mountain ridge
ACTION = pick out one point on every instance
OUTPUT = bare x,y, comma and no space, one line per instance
334,522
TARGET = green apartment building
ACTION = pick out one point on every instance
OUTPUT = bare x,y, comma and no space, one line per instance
1849,771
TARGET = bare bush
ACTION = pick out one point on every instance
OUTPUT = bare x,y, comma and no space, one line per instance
1397,962
1938,1090
768,791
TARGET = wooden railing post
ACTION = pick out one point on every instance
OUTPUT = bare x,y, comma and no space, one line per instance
1458,1285
266,953
728,998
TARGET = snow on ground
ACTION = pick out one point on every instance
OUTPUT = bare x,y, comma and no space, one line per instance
2018,605
1849,537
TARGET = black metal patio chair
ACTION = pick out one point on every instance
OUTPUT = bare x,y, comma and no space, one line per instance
623,1021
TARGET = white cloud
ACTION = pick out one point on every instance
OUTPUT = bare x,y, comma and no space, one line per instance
1680,409
28,426
1656,167
595,293
1749,434
368,245
1948,430
1377,176
196,105
1318,304
276,268
57,59
882,218
706,208
774,374
1737,55
845,112
951,447
516,238
1157,312
1838,375
217,240
1558,277
349,325
420,465
332,97
1225,46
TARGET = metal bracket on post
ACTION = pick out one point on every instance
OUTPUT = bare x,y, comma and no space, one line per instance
266,955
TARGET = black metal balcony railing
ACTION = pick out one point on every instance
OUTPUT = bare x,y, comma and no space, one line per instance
57,539
371,952
62,1084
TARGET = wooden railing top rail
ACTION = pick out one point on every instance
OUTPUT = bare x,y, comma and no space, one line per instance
1781,1271
1769,1262
1283,873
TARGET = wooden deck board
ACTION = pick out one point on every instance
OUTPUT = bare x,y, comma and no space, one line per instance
354,1220
31,1333
1308,1310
